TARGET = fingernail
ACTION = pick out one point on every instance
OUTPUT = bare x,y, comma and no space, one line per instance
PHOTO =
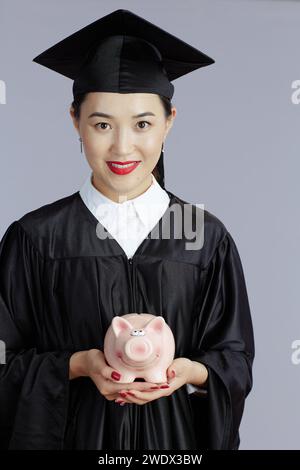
123,394
116,376
164,386
120,402
155,388
131,394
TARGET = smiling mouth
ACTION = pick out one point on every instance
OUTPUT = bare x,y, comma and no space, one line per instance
122,168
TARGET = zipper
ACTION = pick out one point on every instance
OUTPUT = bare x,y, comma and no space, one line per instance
132,286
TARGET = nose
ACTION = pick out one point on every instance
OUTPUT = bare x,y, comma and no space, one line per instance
138,349
122,145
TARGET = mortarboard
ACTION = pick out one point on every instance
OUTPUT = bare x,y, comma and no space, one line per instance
123,53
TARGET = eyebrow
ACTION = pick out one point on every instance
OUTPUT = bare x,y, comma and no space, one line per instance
108,116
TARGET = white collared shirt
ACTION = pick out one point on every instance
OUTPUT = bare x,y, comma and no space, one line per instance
130,221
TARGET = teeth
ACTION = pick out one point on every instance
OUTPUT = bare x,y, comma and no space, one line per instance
122,166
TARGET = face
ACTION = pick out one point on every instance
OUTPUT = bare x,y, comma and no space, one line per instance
133,130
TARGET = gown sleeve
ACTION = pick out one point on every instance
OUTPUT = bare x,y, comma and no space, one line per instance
34,384
223,341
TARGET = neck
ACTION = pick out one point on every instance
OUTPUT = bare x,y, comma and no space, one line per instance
118,196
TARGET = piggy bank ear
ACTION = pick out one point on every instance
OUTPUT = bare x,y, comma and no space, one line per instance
156,325
120,325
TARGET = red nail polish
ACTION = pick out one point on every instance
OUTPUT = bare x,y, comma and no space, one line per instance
116,376
164,386
131,394
155,388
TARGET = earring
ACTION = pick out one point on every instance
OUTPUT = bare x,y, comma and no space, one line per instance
162,149
80,140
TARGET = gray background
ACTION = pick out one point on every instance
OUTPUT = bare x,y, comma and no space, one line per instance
234,148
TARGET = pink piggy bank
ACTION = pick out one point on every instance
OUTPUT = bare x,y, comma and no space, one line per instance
139,345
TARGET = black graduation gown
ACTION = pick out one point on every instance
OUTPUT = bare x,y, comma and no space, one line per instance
60,287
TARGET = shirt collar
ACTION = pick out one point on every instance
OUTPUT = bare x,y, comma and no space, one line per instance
151,203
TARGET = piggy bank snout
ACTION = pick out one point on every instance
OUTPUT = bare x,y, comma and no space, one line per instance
138,349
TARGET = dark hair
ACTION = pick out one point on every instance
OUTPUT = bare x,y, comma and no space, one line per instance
166,102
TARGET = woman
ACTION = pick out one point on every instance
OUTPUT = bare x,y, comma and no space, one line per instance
66,269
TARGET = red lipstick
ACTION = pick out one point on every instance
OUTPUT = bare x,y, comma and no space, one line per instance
122,168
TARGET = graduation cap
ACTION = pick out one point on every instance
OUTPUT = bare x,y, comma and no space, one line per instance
123,53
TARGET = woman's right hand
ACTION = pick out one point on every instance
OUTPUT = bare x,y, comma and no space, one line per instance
92,363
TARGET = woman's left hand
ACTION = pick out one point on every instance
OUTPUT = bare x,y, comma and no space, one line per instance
178,374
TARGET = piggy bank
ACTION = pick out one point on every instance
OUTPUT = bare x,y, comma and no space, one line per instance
139,345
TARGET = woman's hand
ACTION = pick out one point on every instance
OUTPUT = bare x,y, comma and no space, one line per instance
180,372
92,363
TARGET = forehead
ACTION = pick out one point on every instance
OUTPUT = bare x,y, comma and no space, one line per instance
127,102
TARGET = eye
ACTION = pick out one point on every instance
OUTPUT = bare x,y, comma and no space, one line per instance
100,124
146,123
